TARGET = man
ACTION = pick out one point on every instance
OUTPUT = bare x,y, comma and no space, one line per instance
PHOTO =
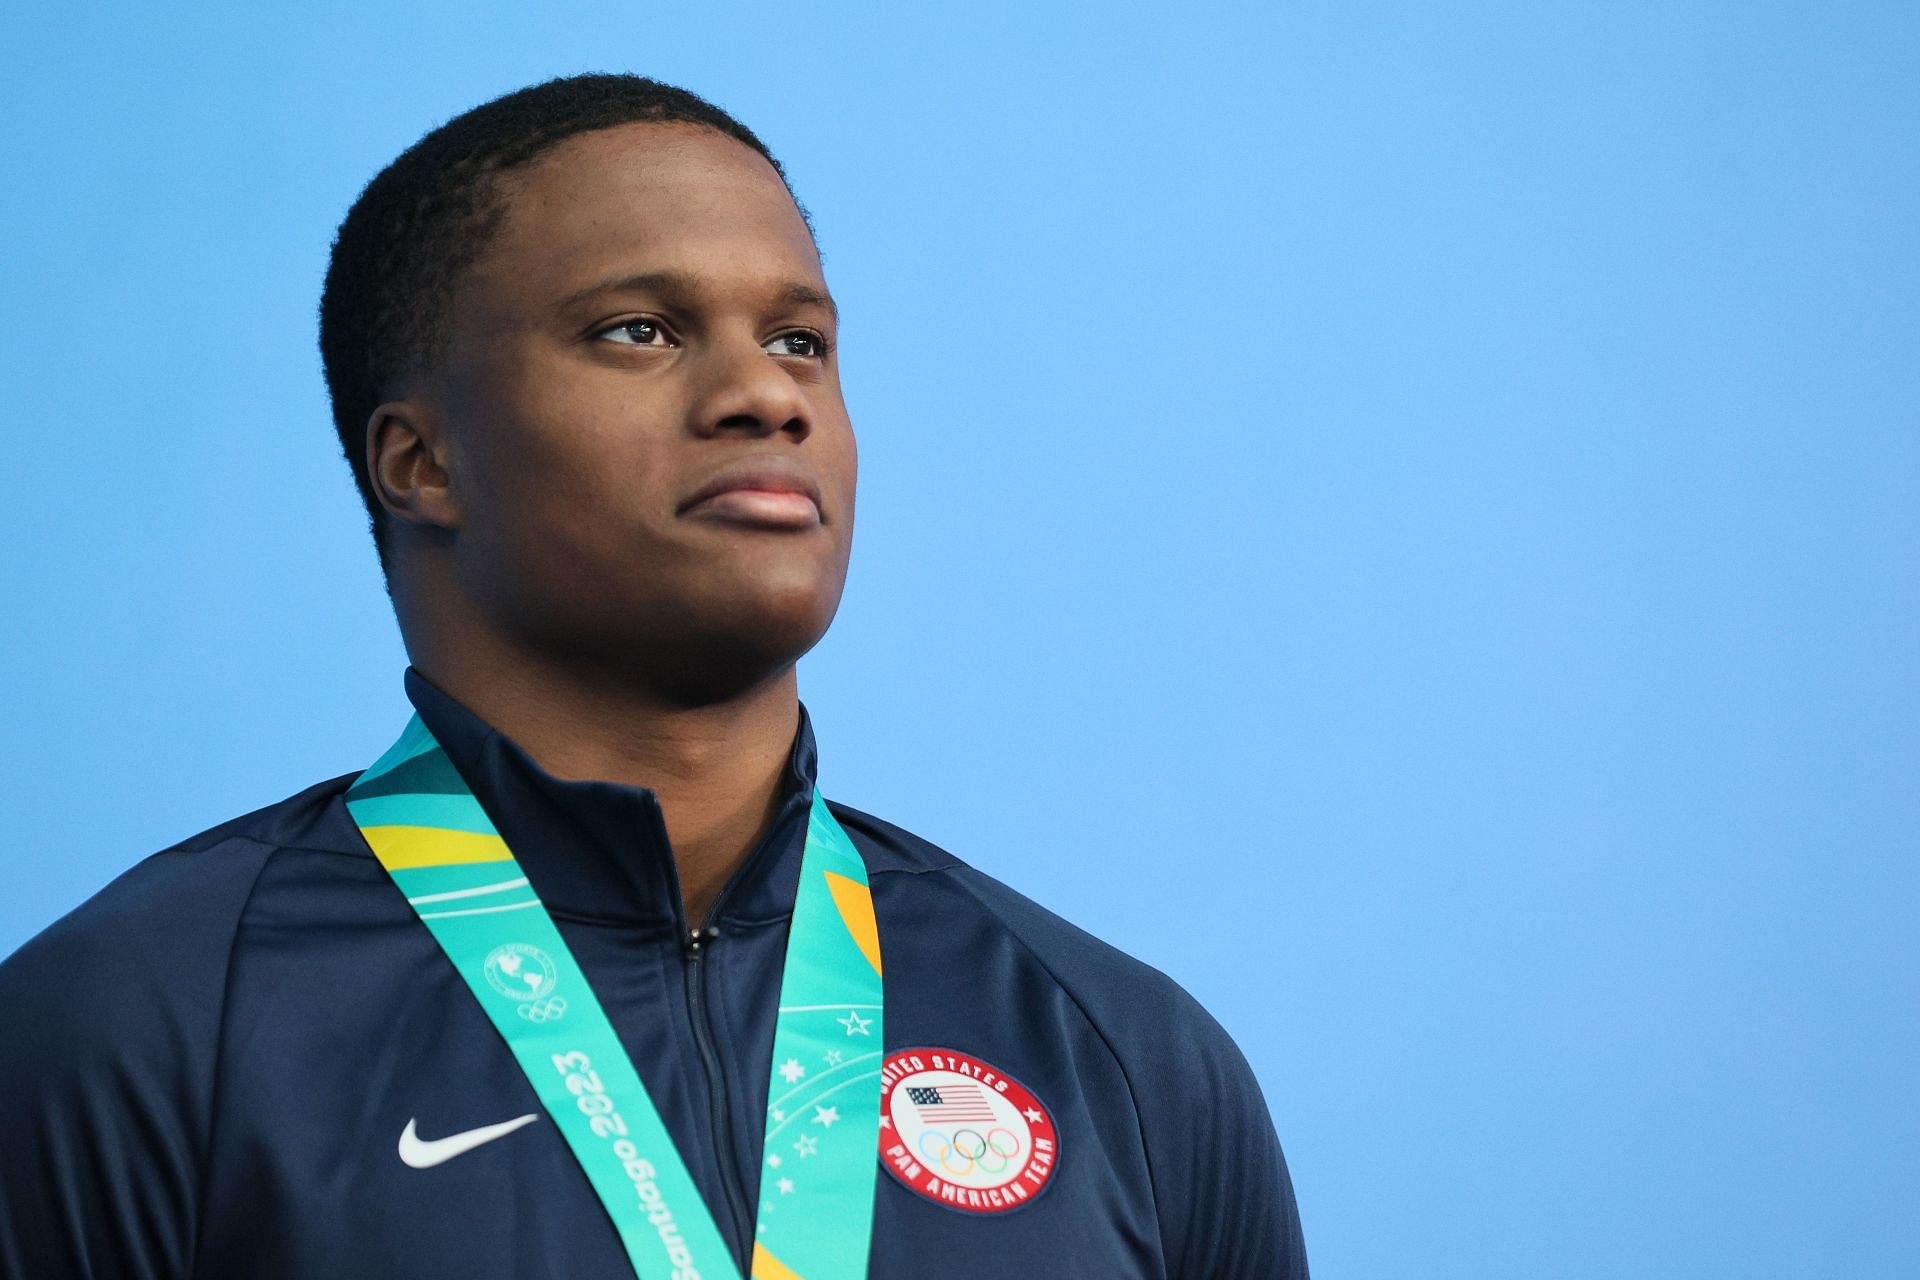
582,978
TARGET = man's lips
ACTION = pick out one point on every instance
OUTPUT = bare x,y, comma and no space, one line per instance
765,489
771,507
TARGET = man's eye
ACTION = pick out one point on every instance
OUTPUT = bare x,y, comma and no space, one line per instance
811,345
635,333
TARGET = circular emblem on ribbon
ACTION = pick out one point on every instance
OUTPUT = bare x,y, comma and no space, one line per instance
521,971
962,1133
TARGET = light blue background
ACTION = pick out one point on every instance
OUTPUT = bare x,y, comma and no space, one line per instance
1405,517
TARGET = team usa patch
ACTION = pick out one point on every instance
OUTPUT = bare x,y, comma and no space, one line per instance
962,1133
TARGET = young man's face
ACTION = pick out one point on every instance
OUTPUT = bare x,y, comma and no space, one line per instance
649,316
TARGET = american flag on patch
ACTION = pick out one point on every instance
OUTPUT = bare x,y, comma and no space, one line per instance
954,1103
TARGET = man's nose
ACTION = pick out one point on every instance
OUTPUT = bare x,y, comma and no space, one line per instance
743,389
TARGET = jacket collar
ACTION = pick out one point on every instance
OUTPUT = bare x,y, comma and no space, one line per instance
599,850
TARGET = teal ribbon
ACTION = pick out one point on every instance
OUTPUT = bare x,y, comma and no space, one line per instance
823,1113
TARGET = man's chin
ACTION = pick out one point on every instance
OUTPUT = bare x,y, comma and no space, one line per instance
713,651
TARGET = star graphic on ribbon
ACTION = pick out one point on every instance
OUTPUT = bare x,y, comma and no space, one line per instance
792,1070
773,1161
855,1024
786,1186
825,1116
807,1145
833,1057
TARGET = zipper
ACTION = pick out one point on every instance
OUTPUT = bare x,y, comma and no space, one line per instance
695,947
695,943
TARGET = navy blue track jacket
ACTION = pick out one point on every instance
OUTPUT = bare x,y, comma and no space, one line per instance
208,1068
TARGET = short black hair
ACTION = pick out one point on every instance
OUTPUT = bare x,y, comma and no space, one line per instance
427,217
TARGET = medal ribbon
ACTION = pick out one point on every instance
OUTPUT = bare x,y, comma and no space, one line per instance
823,1115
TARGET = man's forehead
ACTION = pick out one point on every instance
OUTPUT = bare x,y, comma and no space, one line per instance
659,200
651,171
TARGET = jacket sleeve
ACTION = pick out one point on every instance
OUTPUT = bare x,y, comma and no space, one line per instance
111,1021
1221,1186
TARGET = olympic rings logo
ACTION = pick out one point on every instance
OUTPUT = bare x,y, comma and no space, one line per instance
552,1009
991,1152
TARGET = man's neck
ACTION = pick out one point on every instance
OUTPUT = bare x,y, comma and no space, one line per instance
717,769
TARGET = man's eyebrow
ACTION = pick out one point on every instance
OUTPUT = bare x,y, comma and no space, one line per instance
805,295
677,284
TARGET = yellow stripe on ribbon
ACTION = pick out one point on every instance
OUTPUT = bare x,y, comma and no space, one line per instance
399,848
768,1267
855,902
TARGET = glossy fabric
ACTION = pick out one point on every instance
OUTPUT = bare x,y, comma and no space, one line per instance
209,1064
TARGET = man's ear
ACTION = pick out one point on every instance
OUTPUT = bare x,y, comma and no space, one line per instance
407,461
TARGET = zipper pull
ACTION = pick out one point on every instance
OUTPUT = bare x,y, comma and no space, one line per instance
699,940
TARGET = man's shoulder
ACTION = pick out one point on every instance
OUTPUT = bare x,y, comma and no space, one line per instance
1126,998
154,941
1222,1193
114,1018
310,818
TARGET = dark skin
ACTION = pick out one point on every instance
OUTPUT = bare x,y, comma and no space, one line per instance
551,569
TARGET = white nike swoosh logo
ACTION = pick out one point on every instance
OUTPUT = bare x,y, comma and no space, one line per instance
418,1153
